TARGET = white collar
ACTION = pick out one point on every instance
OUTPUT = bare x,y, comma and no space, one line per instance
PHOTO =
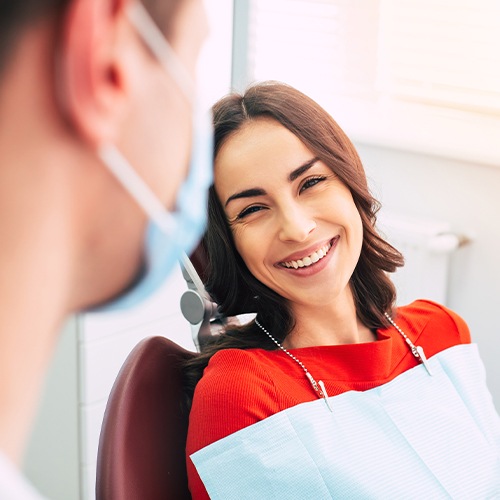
13,485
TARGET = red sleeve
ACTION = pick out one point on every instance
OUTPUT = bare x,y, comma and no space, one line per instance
234,392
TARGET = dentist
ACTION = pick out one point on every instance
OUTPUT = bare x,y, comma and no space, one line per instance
103,174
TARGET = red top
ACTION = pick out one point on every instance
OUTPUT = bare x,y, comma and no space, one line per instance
242,387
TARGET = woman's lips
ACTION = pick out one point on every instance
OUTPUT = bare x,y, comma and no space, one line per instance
309,258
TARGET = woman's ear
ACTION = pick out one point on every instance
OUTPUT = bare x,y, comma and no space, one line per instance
92,72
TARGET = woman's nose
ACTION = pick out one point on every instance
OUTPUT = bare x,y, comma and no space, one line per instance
295,224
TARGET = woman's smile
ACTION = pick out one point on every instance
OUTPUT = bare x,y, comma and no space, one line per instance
309,262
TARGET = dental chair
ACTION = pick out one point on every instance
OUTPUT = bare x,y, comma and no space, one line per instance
143,435
141,452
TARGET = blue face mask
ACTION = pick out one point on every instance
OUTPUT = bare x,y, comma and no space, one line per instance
168,235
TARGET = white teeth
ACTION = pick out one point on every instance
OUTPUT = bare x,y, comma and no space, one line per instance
310,259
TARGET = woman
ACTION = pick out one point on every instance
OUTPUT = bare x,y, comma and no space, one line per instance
331,391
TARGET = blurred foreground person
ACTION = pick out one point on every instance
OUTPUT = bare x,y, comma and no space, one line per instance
97,195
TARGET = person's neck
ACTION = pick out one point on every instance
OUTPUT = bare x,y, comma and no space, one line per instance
35,273
28,333
329,324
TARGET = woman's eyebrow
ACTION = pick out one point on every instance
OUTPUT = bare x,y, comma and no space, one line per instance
250,193
303,168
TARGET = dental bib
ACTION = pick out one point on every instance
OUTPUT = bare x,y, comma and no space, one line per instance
416,436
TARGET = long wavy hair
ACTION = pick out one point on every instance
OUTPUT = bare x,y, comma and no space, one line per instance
229,281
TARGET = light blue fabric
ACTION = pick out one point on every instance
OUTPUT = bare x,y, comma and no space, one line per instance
416,437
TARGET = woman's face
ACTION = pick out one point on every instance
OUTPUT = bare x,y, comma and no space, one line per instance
294,222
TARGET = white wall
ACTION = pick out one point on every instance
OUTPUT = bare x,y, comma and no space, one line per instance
466,196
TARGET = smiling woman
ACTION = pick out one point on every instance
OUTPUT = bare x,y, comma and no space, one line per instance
273,127
330,385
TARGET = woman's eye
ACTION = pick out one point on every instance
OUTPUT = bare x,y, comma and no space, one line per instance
250,210
311,182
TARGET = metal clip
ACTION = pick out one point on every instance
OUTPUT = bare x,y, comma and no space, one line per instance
325,395
423,359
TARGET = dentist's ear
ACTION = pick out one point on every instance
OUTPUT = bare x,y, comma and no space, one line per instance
92,70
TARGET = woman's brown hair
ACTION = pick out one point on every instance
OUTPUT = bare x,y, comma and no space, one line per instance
229,281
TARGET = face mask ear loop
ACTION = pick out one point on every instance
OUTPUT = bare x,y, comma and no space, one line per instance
157,43
139,190
110,155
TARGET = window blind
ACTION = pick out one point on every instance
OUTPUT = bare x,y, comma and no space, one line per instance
443,52
418,74
326,47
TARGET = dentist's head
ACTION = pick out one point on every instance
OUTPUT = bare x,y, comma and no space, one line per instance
115,93
104,165
162,155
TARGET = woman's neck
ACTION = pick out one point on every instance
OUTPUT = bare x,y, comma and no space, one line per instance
328,324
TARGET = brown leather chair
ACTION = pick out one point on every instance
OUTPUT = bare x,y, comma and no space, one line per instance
143,436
